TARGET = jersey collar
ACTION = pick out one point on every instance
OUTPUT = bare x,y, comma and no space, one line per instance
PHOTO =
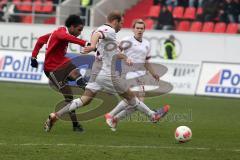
137,39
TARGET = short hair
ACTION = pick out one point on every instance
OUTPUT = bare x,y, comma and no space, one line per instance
138,21
171,37
114,15
74,20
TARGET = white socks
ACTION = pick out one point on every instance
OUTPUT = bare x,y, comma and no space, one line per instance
124,113
74,104
123,109
143,108
120,106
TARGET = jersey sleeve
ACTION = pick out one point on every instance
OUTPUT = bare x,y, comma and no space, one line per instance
63,35
106,33
40,42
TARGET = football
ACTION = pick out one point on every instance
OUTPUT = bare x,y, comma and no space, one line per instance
183,134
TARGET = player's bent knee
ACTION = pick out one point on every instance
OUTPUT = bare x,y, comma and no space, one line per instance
134,101
68,98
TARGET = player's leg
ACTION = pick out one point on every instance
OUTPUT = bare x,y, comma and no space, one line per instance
80,80
73,105
120,113
131,100
135,102
86,98
68,96
139,105
121,106
91,89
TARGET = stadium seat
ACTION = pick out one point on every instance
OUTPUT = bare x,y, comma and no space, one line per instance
17,3
183,26
190,13
136,12
27,19
38,6
25,6
51,20
220,27
170,8
208,27
232,28
154,11
196,26
149,23
48,7
178,12
199,10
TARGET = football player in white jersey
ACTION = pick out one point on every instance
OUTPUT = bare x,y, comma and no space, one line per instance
137,49
103,77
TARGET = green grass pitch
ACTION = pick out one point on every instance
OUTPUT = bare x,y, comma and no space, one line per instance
215,123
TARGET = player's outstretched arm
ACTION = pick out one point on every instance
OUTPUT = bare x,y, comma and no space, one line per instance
40,42
70,38
94,40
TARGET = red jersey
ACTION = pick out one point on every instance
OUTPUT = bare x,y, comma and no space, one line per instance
57,43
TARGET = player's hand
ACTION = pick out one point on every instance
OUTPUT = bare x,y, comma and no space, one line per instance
129,62
34,62
88,49
156,77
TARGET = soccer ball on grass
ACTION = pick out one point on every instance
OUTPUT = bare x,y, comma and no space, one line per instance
183,134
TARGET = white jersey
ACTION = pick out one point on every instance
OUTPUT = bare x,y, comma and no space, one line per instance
107,48
101,77
137,51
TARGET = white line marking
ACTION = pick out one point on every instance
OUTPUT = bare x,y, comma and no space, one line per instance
121,146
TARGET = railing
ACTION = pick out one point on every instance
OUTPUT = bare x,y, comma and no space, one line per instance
33,14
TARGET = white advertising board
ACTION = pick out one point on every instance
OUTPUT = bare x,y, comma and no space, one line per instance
15,66
192,47
23,37
182,75
219,79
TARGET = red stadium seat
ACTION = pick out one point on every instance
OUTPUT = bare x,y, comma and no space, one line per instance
25,6
190,13
154,11
51,20
232,28
183,26
199,10
220,27
178,12
170,8
208,27
27,19
149,23
196,27
38,6
17,3
48,7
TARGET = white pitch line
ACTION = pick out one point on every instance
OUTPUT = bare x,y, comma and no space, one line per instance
121,146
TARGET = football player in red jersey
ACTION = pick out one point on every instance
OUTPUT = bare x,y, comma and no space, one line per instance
58,68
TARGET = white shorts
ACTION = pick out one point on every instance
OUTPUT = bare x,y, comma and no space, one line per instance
136,82
107,84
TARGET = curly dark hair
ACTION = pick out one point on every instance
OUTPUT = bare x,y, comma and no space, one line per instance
74,20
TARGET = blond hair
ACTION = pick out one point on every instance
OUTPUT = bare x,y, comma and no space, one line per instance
114,15
138,21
